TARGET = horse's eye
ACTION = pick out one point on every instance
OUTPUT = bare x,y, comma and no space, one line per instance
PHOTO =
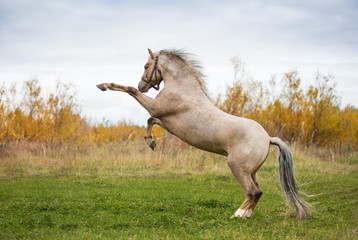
146,67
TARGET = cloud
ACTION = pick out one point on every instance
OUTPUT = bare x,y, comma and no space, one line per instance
88,42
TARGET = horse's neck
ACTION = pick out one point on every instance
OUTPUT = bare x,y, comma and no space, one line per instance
181,77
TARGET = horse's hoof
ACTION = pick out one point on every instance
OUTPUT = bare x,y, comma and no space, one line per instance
244,214
242,217
152,145
102,87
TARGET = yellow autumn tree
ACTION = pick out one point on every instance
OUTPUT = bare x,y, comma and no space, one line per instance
310,117
53,120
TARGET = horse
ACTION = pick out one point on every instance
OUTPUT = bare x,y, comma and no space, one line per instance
184,109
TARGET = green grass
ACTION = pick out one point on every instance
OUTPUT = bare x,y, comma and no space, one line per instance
126,191
172,206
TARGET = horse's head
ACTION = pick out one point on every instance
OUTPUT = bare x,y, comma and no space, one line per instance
152,75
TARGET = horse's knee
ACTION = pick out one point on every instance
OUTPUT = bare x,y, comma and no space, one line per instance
132,91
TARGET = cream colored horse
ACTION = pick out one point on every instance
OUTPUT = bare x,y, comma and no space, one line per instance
183,109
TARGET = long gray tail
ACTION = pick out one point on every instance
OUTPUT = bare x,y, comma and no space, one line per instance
287,179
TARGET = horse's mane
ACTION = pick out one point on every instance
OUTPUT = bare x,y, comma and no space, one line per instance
189,59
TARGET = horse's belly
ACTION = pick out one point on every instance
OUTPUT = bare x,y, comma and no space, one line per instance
197,134
204,144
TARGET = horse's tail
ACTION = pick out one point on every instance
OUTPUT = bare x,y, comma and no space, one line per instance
287,179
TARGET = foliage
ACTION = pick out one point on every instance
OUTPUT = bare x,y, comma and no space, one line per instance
52,120
310,117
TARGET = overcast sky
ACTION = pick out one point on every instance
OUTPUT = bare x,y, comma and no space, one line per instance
90,42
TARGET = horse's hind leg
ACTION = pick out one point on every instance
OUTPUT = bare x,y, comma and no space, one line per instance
252,196
148,136
256,200
252,191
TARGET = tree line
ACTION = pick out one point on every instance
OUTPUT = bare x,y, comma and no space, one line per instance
53,120
309,116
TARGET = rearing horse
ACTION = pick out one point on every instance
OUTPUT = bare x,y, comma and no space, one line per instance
183,109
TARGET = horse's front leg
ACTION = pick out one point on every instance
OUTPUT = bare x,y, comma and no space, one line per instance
148,103
117,87
148,136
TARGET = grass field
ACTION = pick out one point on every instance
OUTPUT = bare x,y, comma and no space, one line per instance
168,199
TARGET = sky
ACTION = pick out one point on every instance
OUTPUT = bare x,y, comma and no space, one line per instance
90,42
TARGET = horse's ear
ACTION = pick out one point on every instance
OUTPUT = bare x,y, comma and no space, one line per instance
152,55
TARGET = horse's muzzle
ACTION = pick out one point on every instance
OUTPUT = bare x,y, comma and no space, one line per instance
143,86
